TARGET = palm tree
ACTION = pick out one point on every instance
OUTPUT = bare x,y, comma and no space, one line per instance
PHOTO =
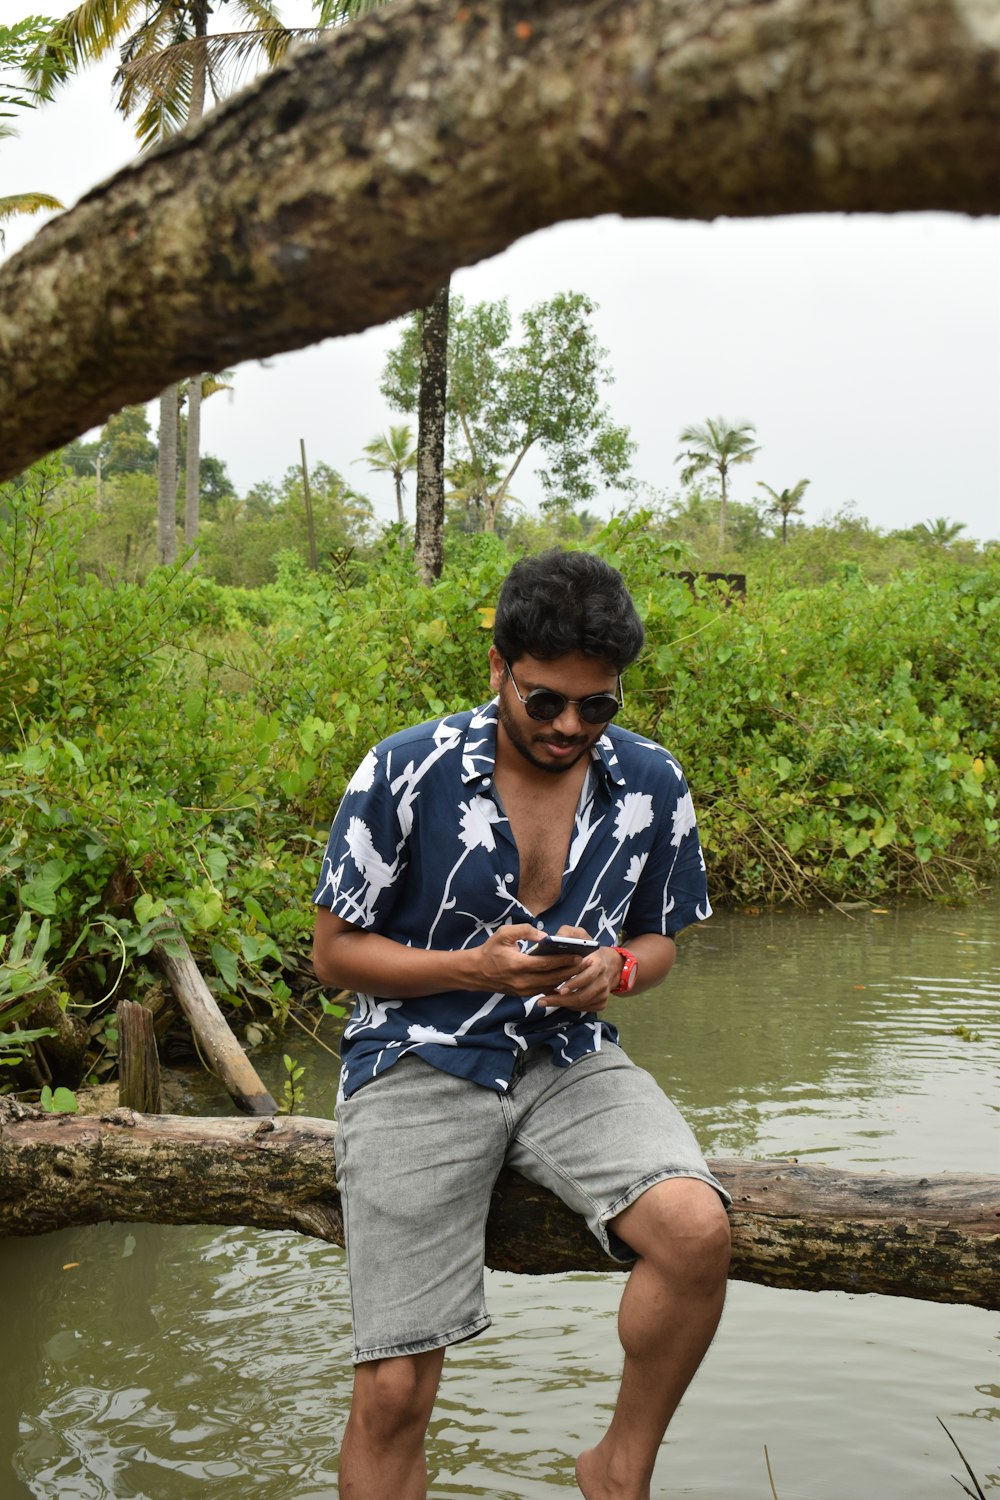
716,446
199,388
393,453
786,503
428,541
938,533
167,62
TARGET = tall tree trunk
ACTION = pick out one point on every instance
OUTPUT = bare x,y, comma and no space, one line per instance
307,502
192,462
722,512
166,479
429,539
192,470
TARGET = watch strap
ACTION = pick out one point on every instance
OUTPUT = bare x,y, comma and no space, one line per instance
629,974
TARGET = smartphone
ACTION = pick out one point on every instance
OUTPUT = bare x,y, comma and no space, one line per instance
551,945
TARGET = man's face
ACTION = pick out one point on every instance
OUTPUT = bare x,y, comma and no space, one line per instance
559,745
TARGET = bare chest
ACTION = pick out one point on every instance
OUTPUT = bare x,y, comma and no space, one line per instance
542,826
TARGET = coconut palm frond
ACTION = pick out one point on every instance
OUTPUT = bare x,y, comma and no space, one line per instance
261,15
86,34
340,12
161,115
211,384
26,203
157,74
163,27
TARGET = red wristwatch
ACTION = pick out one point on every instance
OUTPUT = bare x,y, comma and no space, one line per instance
630,972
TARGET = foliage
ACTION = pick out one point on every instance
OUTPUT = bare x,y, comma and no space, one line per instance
292,1094
938,533
17,42
506,398
785,503
720,446
23,979
841,740
173,742
164,54
244,539
393,453
124,447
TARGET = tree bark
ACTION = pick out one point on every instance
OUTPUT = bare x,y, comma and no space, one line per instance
138,1060
166,479
192,471
344,187
428,541
222,1052
192,458
793,1226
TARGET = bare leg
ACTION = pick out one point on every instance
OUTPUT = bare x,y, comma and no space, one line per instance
668,1315
382,1454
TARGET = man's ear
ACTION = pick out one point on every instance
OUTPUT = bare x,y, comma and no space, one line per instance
497,666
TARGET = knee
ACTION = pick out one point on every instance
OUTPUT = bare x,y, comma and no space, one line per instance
682,1229
707,1239
394,1398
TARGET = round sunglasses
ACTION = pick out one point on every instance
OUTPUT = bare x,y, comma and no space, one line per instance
544,704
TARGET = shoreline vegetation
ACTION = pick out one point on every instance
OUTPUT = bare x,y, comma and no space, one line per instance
173,743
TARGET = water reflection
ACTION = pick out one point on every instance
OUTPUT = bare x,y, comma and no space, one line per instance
158,1363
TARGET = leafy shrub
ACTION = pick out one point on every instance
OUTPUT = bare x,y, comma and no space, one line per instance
179,744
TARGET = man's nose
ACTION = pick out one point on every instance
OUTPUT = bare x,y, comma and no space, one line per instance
568,721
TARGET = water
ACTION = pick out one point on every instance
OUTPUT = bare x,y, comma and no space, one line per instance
153,1363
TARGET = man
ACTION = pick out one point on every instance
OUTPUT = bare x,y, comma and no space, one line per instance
458,845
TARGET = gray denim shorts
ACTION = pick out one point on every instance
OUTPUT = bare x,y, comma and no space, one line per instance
418,1152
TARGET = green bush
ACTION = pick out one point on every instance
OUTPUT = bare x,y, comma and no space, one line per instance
179,744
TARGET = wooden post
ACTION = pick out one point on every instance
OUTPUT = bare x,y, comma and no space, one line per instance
222,1051
138,1063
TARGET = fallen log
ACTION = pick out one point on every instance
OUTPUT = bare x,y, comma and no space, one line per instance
794,1225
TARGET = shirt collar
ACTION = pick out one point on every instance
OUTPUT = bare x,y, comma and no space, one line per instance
479,750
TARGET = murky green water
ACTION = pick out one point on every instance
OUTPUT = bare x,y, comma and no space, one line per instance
195,1364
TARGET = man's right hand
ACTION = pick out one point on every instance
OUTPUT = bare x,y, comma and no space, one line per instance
507,970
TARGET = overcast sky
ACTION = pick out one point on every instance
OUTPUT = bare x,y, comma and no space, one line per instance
865,350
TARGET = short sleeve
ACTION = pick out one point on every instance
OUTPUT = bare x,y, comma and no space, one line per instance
672,891
366,851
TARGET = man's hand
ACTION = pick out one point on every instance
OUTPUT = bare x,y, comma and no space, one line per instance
595,976
510,971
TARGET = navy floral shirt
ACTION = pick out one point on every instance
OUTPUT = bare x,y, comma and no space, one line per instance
422,852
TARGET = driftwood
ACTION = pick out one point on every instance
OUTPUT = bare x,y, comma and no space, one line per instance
220,1049
344,187
812,1227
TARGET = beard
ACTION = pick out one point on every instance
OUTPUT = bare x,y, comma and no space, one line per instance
524,742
